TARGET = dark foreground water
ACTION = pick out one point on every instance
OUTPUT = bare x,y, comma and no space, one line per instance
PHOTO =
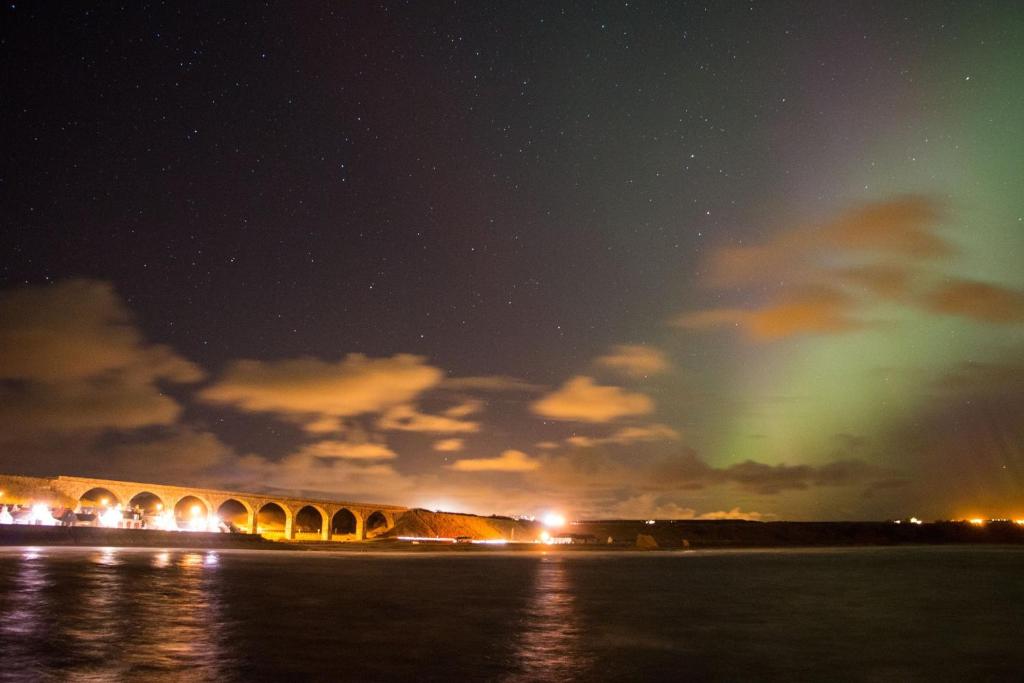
894,614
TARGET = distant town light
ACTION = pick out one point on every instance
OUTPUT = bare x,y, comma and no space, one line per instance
553,520
104,501
1019,521
976,521
545,537
196,511
649,522
915,520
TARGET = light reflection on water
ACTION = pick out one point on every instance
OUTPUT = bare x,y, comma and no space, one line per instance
906,614
24,608
550,641
117,615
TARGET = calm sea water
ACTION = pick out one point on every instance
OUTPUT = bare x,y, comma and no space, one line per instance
895,614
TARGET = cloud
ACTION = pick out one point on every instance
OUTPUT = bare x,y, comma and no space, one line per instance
635,360
353,386
498,383
352,450
595,471
304,473
771,479
72,359
178,454
407,419
581,400
901,227
977,300
325,424
660,507
78,330
509,461
449,445
735,513
820,279
464,409
628,435
808,309
884,280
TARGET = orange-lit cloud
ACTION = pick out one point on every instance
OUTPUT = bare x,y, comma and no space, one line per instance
509,461
325,424
979,301
582,400
819,310
497,383
449,445
176,455
354,385
820,279
899,227
351,450
407,419
77,362
659,506
628,435
77,330
635,360
464,409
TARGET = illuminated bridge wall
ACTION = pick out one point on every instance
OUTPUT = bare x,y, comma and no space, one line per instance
273,516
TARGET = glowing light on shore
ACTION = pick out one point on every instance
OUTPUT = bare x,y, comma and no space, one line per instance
111,517
1019,521
166,521
545,537
41,515
976,521
553,520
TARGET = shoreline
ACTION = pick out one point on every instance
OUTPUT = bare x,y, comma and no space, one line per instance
941,534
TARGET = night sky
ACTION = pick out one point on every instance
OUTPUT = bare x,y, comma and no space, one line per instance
631,259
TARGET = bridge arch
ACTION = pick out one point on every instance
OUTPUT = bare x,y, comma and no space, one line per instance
274,520
149,502
192,512
377,522
311,523
345,523
236,513
98,497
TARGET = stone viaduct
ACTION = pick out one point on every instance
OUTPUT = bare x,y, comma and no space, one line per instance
281,517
